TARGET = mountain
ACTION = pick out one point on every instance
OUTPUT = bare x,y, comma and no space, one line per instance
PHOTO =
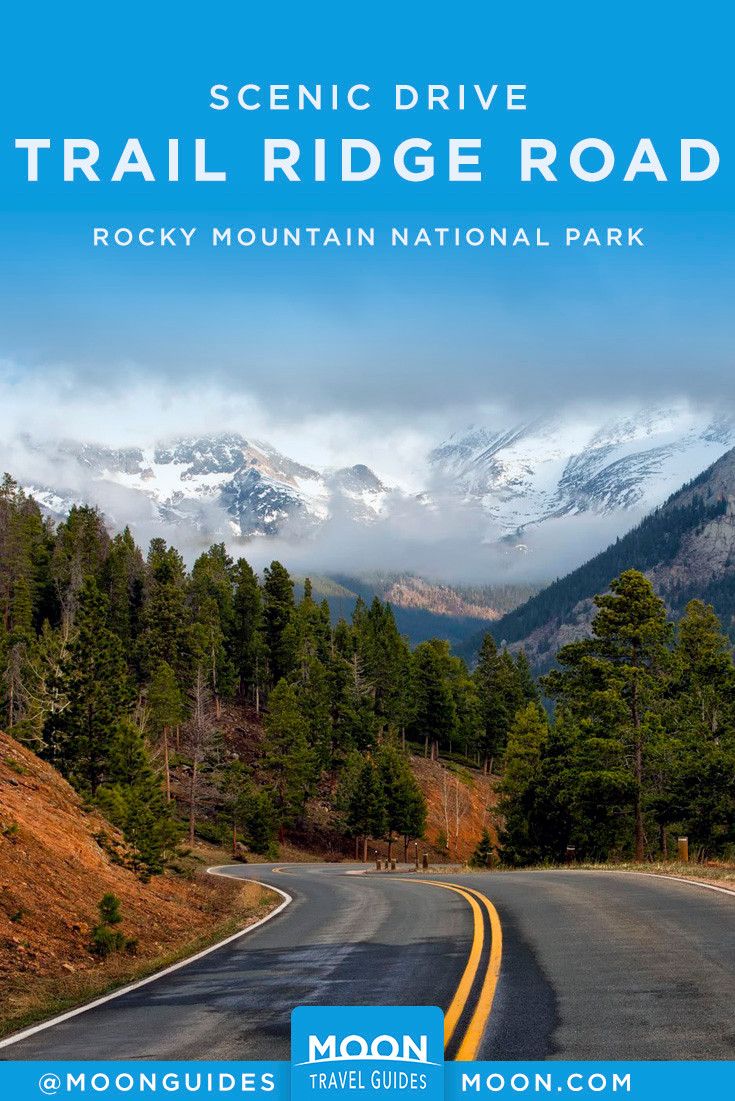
564,466
221,485
686,547
424,609
497,502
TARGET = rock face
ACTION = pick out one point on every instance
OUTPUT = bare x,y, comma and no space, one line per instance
547,469
220,485
687,548
500,488
415,592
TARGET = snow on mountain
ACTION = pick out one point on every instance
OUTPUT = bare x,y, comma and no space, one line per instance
223,484
566,466
492,484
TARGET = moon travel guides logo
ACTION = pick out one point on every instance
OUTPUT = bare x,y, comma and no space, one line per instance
388,1050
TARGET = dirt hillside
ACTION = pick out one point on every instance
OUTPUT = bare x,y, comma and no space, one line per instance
57,860
461,804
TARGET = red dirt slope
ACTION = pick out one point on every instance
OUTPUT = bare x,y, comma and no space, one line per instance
56,863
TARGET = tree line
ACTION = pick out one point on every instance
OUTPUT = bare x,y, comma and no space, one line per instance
657,538
641,746
116,667
121,668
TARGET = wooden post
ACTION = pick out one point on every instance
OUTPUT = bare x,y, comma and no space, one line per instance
425,860
682,849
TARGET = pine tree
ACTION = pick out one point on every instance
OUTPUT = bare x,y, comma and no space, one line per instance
245,640
208,646
354,723
278,611
402,796
211,599
527,685
386,660
619,676
554,809
526,740
256,818
363,799
415,812
80,551
166,633
703,673
25,590
132,799
693,772
287,758
433,713
98,692
124,582
311,627
312,688
501,692
167,712
484,853
42,689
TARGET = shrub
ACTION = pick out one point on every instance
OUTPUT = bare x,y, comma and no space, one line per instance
484,854
106,940
109,908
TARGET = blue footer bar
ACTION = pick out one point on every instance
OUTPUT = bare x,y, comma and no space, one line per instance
633,1081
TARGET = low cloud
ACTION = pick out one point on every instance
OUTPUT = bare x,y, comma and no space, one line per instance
451,538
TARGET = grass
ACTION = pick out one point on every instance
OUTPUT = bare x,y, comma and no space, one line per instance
56,994
722,873
463,774
15,766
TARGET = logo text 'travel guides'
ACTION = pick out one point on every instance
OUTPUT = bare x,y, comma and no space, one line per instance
391,1050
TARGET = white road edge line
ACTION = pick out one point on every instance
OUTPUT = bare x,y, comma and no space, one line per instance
690,882
215,870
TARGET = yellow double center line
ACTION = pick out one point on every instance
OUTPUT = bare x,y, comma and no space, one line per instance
470,1043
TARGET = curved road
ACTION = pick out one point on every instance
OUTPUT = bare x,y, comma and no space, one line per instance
528,965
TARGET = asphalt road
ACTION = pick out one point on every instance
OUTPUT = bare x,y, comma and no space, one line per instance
534,965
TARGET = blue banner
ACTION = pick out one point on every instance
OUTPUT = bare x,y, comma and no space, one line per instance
674,1081
23,1081
637,1081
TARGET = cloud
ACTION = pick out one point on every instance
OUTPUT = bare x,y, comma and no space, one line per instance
51,405
405,334
452,539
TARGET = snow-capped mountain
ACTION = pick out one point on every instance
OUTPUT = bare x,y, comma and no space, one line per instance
558,467
221,485
482,487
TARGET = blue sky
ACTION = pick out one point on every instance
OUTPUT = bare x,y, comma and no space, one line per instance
391,337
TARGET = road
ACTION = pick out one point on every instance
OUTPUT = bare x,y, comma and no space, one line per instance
527,965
